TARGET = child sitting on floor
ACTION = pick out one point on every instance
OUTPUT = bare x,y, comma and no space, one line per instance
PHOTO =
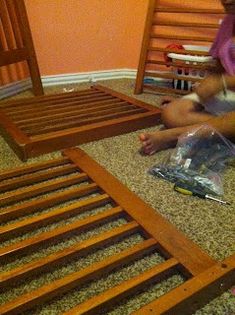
213,101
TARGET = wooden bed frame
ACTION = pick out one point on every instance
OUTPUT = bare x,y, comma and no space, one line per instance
205,278
153,43
48,123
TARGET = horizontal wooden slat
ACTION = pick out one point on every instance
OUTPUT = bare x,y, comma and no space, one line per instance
86,121
53,216
38,189
44,124
196,292
180,247
172,76
78,115
164,90
35,178
57,106
183,37
52,98
200,66
58,111
186,24
68,113
176,51
29,207
114,295
78,278
58,233
188,10
27,169
78,250
13,56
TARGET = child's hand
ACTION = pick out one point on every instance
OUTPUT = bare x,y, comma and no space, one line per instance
209,87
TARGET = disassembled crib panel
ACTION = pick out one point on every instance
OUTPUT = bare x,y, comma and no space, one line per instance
151,64
96,187
48,123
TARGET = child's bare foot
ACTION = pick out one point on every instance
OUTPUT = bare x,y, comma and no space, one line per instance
156,141
166,100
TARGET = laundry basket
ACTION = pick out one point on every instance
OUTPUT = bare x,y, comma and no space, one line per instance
182,59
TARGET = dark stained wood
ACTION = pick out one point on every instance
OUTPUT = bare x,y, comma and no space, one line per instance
203,275
19,42
152,36
185,251
196,292
48,123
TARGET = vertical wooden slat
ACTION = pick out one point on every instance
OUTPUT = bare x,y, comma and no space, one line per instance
28,42
145,45
15,23
7,27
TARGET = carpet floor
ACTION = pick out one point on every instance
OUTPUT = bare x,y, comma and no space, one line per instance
208,224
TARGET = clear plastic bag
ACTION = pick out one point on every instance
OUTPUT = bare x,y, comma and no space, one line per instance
198,160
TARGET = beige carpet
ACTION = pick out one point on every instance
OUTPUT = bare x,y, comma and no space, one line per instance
207,223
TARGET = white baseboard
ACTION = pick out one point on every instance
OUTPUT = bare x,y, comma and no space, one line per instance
14,88
61,79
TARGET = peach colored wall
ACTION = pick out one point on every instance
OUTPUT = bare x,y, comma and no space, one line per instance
73,36
79,35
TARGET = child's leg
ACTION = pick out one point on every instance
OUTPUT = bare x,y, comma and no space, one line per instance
184,112
160,140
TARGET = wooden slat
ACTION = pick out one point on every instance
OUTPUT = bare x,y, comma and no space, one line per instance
35,178
188,10
163,90
201,66
79,278
69,113
186,24
7,27
101,116
58,233
85,122
186,252
24,170
183,37
196,292
53,216
176,51
78,250
56,105
14,21
79,114
39,189
49,99
119,292
13,56
172,76
29,207
55,125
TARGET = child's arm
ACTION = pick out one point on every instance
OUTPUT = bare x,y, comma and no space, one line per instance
214,84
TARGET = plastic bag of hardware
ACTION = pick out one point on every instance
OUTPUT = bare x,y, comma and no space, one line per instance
198,161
